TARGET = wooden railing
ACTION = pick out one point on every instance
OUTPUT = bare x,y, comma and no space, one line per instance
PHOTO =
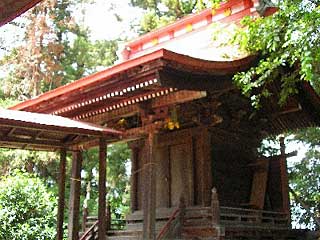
230,217
239,217
172,228
254,218
215,216
91,233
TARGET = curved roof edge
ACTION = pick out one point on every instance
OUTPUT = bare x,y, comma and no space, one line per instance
216,67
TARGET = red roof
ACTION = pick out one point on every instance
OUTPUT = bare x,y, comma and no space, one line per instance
10,9
19,129
83,93
230,11
159,76
53,123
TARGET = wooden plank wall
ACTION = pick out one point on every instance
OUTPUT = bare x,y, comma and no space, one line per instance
183,167
274,191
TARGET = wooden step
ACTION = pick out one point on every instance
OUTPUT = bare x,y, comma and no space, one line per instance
124,234
139,226
161,213
197,222
201,232
123,238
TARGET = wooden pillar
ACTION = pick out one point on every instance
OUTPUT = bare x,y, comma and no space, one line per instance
74,201
284,178
215,207
134,176
102,189
61,194
182,208
203,166
85,214
215,215
108,214
149,195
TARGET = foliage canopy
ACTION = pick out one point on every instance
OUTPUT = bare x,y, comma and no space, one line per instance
27,209
287,44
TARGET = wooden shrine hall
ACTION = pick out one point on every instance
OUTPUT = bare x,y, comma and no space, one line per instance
196,169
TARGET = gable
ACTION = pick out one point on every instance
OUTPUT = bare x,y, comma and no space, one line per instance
193,34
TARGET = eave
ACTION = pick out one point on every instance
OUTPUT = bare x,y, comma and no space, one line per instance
160,79
34,131
136,80
10,9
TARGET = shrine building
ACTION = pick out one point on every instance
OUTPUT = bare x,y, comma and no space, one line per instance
196,169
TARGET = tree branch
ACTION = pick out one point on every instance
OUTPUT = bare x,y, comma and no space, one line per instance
305,206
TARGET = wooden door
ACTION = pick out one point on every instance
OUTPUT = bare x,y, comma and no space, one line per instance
181,174
162,177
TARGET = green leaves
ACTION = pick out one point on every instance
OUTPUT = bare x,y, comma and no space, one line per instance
288,46
27,210
117,179
289,49
306,70
304,178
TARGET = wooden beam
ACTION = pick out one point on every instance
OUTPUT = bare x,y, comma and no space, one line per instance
70,138
61,195
287,155
11,132
287,111
37,135
48,128
161,101
117,113
177,97
149,196
16,140
142,132
74,201
93,143
29,147
102,189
